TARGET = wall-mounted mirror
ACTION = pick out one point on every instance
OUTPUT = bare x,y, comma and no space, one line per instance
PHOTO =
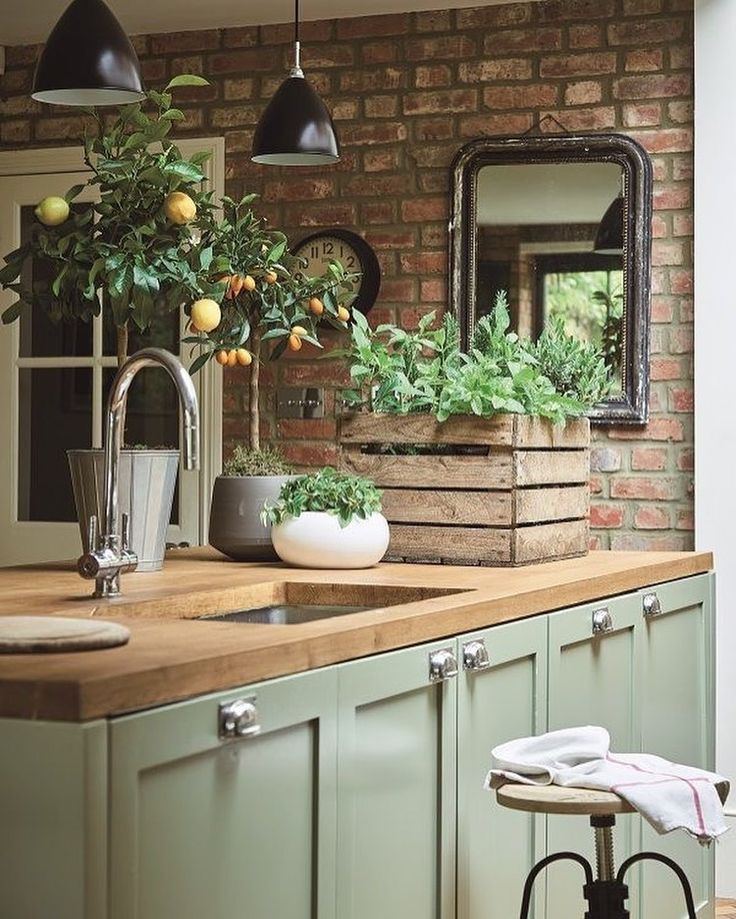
562,223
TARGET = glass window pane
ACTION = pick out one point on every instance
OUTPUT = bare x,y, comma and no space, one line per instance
163,333
39,335
152,418
55,411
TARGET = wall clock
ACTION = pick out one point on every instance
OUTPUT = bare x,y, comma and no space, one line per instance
355,254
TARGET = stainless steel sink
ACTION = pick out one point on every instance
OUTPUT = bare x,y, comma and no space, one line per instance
285,614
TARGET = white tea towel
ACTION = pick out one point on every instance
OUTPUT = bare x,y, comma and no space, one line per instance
668,795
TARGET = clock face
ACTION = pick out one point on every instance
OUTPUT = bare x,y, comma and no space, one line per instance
353,253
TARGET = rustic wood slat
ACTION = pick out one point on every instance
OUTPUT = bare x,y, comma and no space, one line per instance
473,472
548,541
551,467
538,434
414,505
485,544
374,428
540,505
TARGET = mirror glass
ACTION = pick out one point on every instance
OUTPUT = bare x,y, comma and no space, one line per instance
551,235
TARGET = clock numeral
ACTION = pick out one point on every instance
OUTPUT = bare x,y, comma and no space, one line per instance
328,248
350,261
314,252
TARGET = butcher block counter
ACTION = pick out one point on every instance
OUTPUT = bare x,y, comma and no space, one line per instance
174,655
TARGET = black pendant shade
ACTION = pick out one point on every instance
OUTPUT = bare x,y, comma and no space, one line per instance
609,239
295,129
88,60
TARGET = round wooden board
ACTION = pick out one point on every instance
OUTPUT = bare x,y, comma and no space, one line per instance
558,799
42,634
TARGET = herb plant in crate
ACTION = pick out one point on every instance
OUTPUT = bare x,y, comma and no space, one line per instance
484,456
328,519
259,305
130,255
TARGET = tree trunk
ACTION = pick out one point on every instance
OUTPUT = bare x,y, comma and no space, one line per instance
122,343
254,435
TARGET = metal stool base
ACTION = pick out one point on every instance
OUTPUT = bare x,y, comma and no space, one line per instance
606,895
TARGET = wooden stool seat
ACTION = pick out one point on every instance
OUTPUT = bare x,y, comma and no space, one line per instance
557,799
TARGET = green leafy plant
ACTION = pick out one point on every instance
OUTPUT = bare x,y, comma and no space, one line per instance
345,496
123,252
400,372
246,462
263,294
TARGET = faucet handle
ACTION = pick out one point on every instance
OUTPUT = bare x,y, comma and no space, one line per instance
92,533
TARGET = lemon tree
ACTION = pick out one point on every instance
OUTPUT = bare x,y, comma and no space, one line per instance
132,251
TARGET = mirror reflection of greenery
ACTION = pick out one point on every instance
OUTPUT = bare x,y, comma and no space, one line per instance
591,305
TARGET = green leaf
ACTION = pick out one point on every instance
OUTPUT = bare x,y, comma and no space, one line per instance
199,361
187,79
73,192
12,312
187,171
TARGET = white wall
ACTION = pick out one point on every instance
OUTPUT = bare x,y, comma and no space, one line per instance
715,361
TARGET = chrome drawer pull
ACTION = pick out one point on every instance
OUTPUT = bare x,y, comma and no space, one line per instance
651,605
238,718
475,656
602,621
442,665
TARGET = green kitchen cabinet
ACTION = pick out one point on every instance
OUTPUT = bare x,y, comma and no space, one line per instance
203,824
676,705
594,665
502,694
396,785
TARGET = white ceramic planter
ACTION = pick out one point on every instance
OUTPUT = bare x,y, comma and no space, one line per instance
316,540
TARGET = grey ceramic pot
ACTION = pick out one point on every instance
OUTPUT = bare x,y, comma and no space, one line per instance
145,492
235,516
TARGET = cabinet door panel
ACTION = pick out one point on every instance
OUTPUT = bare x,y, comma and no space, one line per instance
224,829
592,680
677,705
396,788
496,846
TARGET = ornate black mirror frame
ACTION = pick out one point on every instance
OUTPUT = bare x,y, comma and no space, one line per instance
632,405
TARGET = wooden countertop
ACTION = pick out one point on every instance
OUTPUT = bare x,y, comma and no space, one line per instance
171,656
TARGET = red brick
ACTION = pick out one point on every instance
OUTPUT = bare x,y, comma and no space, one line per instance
424,262
642,114
382,78
398,290
423,209
384,132
299,190
410,318
681,281
646,31
334,213
379,52
178,42
16,81
20,55
637,543
445,47
393,239
653,86
681,57
434,129
652,518
672,197
258,59
373,26
642,7
681,112
585,36
377,186
682,225
578,65
494,17
247,36
378,212
282,33
494,124
517,40
444,101
307,428
667,253
666,368
380,106
530,95
666,140
669,429
433,21
686,460
649,459
435,75
644,60
511,68
586,119
17,131
585,92
433,291
644,488
564,10
681,399
685,520
309,455
381,160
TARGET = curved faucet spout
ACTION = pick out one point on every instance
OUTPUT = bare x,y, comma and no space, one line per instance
107,560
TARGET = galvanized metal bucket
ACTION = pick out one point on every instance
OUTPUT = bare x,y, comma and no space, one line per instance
146,494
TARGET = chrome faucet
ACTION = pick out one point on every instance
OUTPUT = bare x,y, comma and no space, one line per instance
110,555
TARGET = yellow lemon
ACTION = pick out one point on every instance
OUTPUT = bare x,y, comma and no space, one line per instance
205,315
52,211
179,208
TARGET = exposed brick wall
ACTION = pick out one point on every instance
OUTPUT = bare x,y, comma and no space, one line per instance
406,91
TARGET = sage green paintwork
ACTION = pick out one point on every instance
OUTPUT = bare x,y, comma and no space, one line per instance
396,788
362,795
497,847
201,827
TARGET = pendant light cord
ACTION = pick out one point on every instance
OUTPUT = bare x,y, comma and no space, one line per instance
297,71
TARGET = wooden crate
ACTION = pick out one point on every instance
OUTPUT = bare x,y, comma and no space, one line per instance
508,490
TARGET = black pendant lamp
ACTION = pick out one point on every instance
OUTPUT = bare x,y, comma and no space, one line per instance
609,240
295,129
88,60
